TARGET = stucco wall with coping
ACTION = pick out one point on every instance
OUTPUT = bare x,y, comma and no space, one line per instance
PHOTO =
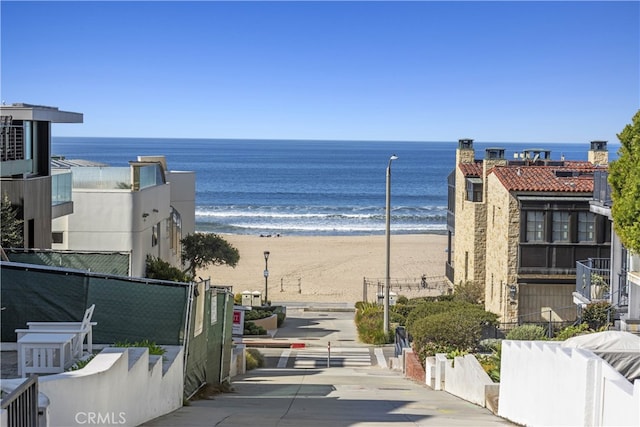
573,386
120,386
467,379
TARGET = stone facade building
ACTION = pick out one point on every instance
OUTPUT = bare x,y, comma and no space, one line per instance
517,228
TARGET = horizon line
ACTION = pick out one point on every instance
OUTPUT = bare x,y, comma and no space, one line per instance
333,140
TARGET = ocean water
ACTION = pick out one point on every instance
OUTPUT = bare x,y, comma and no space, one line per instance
293,187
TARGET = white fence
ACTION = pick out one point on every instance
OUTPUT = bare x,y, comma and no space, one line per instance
542,384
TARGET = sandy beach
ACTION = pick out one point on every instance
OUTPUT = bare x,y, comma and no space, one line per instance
333,268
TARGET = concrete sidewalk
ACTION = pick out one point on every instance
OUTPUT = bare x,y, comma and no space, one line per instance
335,397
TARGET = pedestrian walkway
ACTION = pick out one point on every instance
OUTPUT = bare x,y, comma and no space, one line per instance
296,388
337,357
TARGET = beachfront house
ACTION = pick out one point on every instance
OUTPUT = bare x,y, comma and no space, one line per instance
27,180
141,209
517,228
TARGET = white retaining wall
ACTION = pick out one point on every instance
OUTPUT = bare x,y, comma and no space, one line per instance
542,383
466,378
119,386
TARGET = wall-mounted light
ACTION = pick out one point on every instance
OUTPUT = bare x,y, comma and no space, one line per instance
156,210
145,214
513,292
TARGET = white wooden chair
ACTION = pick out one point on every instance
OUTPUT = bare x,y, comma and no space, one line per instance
81,330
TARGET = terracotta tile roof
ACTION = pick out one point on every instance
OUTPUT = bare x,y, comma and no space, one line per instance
545,178
471,169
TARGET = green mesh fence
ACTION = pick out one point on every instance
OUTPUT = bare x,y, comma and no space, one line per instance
135,311
37,296
210,339
116,263
126,309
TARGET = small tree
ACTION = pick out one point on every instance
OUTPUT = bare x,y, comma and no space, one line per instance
157,268
597,315
11,225
469,291
624,178
202,249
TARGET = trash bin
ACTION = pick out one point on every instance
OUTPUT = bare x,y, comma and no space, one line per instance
392,298
256,299
246,298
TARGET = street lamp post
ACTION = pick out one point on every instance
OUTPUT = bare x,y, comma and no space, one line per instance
266,277
387,283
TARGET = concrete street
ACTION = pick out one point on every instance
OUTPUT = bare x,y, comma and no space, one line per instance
296,387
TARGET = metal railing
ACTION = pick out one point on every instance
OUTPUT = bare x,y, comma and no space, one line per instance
426,284
550,325
22,404
11,140
601,188
449,271
401,340
593,278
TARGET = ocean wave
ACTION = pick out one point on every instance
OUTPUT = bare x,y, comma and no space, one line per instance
318,229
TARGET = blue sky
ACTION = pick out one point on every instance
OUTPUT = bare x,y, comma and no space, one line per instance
425,71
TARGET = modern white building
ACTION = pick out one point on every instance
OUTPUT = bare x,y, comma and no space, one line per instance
144,209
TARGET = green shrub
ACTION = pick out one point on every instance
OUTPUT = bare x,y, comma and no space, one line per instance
237,299
527,332
426,308
257,314
159,269
491,363
280,311
571,331
251,328
254,359
597,315
370,324
154,349
459,329
81,363
402,300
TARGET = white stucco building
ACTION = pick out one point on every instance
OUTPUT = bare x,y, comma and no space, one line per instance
144,209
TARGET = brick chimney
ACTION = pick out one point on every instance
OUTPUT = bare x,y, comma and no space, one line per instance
493,157
465,152
598,153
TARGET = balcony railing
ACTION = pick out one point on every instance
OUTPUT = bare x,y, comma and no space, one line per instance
61,184
593,278
449,271
601,188
11,139
21,405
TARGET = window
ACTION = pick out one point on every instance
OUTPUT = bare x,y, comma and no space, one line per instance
586,226
560,227
474,189
57,237
535,226
154,236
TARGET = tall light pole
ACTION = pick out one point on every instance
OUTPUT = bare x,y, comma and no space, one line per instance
387,283
266,276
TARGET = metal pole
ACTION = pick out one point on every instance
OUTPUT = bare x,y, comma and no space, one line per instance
388,238
266,277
